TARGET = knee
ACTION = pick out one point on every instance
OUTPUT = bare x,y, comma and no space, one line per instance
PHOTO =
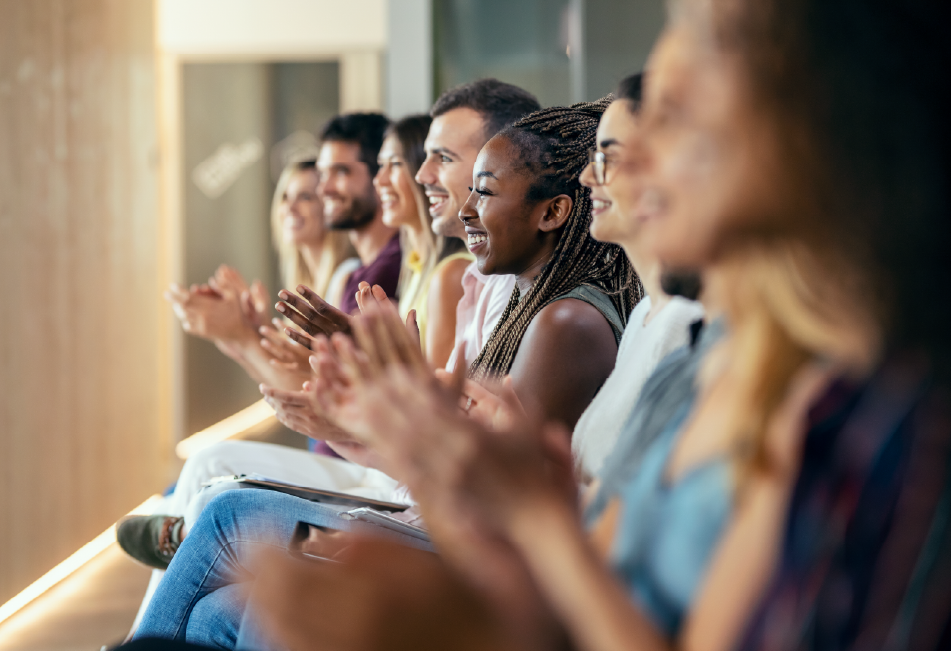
216,460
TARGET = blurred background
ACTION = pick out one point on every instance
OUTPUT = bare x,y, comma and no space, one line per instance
140,141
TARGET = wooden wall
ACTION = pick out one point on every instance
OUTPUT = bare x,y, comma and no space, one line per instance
82,424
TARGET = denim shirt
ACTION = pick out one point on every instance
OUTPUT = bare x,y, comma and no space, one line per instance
668,532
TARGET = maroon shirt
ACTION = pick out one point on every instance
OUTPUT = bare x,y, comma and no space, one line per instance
383,271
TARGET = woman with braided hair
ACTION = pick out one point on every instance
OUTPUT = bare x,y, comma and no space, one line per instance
528,215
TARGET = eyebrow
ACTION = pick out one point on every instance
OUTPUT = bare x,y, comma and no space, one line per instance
610,142
486,175
444,150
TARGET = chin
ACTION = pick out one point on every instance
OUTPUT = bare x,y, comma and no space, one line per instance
602,233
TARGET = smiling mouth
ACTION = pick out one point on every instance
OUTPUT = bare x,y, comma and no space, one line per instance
476,239
600,205
436,203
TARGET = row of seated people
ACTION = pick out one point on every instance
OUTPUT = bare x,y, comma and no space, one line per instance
600,460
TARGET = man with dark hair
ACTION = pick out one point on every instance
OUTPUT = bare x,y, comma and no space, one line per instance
464,119
347,164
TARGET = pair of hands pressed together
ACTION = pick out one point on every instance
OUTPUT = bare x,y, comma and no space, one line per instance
234,316
474,475
372,382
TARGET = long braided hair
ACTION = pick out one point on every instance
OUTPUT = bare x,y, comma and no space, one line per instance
554,143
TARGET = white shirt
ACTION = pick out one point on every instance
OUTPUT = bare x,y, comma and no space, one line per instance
484,299
641,350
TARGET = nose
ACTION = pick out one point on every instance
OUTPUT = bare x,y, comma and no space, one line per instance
587,177
425,175
381,178
468,210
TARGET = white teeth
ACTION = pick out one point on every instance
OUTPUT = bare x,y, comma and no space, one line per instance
476,238
599,204
434,200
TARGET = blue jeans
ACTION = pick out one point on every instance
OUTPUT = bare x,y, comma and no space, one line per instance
202,596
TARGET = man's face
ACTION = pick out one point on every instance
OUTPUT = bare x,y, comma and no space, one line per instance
346,187
452,146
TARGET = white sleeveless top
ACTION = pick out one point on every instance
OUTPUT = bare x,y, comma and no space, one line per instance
640,351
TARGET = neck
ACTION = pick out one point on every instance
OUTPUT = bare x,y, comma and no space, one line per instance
414,238
370,239
649,270
526,279
311,253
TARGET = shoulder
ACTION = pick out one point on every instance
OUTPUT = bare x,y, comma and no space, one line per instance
445,285
569,320
450,271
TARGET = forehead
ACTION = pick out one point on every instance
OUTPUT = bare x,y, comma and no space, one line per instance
334,152
617,123
301,179
457,129
501,157
391,146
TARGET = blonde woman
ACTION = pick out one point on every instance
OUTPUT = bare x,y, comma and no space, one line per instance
233,314
431,277
309,253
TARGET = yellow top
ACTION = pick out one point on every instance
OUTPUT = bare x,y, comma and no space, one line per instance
416,293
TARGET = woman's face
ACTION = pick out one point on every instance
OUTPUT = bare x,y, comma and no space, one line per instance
302,211
394,185
502,227
713,175
615,204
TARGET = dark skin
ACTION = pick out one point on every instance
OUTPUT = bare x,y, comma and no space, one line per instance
569,348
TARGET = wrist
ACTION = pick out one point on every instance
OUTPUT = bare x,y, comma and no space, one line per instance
545,515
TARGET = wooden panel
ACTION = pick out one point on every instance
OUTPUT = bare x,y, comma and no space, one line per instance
81,439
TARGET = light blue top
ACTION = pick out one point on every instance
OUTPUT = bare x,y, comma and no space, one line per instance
667,533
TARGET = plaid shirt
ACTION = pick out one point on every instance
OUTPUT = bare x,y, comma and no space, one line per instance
866,557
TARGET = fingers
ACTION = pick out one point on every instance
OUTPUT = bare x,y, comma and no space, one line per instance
361,297
298,337
176,294
478,392
354,364
260,297
412,329
379,294
405,339
300,313
276,344
205,290
283,398
340,320
247,307
512,402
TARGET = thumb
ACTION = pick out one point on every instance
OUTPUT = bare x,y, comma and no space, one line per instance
260,295
412,327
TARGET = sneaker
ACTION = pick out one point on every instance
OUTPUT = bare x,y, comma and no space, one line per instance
150,539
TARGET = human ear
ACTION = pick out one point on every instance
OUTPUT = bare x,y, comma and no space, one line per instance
556,214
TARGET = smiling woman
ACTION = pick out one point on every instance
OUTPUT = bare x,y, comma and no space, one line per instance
528,215
432,260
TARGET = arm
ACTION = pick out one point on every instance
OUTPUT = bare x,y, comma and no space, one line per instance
592,604
445,290
566,355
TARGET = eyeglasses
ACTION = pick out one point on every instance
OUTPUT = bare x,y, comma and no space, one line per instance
599,164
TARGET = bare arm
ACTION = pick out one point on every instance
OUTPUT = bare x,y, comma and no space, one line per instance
445,290
593,605
566,355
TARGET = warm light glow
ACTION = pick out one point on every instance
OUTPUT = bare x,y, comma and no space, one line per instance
225,429
85,554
